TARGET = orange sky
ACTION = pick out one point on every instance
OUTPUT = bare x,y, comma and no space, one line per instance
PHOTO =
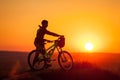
96,21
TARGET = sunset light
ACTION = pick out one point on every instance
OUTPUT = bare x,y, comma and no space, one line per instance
60,39
88,46
79,21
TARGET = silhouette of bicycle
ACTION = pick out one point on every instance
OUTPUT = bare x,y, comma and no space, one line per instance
65,60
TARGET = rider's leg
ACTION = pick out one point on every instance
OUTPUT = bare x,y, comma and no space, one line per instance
48,64
36,54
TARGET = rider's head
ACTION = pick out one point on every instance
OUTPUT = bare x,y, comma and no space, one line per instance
44,23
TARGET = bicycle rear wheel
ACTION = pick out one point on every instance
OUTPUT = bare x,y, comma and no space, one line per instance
36,60
65,60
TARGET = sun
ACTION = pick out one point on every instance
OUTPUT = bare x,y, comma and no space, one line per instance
88,46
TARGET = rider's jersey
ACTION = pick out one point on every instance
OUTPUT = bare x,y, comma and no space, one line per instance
40,35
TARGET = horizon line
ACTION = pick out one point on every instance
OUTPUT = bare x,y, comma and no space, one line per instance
55,52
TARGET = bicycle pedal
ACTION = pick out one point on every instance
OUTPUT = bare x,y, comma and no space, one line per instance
48,65
47,59
53,60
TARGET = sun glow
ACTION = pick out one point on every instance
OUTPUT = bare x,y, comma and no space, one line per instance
89,46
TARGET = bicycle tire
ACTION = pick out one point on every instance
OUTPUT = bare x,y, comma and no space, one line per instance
37,63
66,56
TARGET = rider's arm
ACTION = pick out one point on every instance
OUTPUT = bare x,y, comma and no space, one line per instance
48,40
51,33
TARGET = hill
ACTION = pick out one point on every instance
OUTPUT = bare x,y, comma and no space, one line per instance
104,66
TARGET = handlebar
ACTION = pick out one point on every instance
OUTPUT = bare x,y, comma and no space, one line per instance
60,41
54,40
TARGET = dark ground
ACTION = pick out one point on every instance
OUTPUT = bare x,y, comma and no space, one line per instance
13,66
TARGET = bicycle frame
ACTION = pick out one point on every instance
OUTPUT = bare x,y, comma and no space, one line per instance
52,48
64,58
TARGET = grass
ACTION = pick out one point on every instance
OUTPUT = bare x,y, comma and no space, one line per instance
86,67
81,71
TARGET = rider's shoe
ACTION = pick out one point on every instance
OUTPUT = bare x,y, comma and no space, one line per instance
48,60
48,65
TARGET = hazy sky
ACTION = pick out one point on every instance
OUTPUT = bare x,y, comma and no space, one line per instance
81,21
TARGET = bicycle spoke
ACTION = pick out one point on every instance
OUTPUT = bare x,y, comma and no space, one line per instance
36,62
65,60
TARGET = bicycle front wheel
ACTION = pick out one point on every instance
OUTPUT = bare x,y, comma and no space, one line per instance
36,60
65,60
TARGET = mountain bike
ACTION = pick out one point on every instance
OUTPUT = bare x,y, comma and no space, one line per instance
65,59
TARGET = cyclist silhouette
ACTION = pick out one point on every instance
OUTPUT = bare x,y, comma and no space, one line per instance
39,40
